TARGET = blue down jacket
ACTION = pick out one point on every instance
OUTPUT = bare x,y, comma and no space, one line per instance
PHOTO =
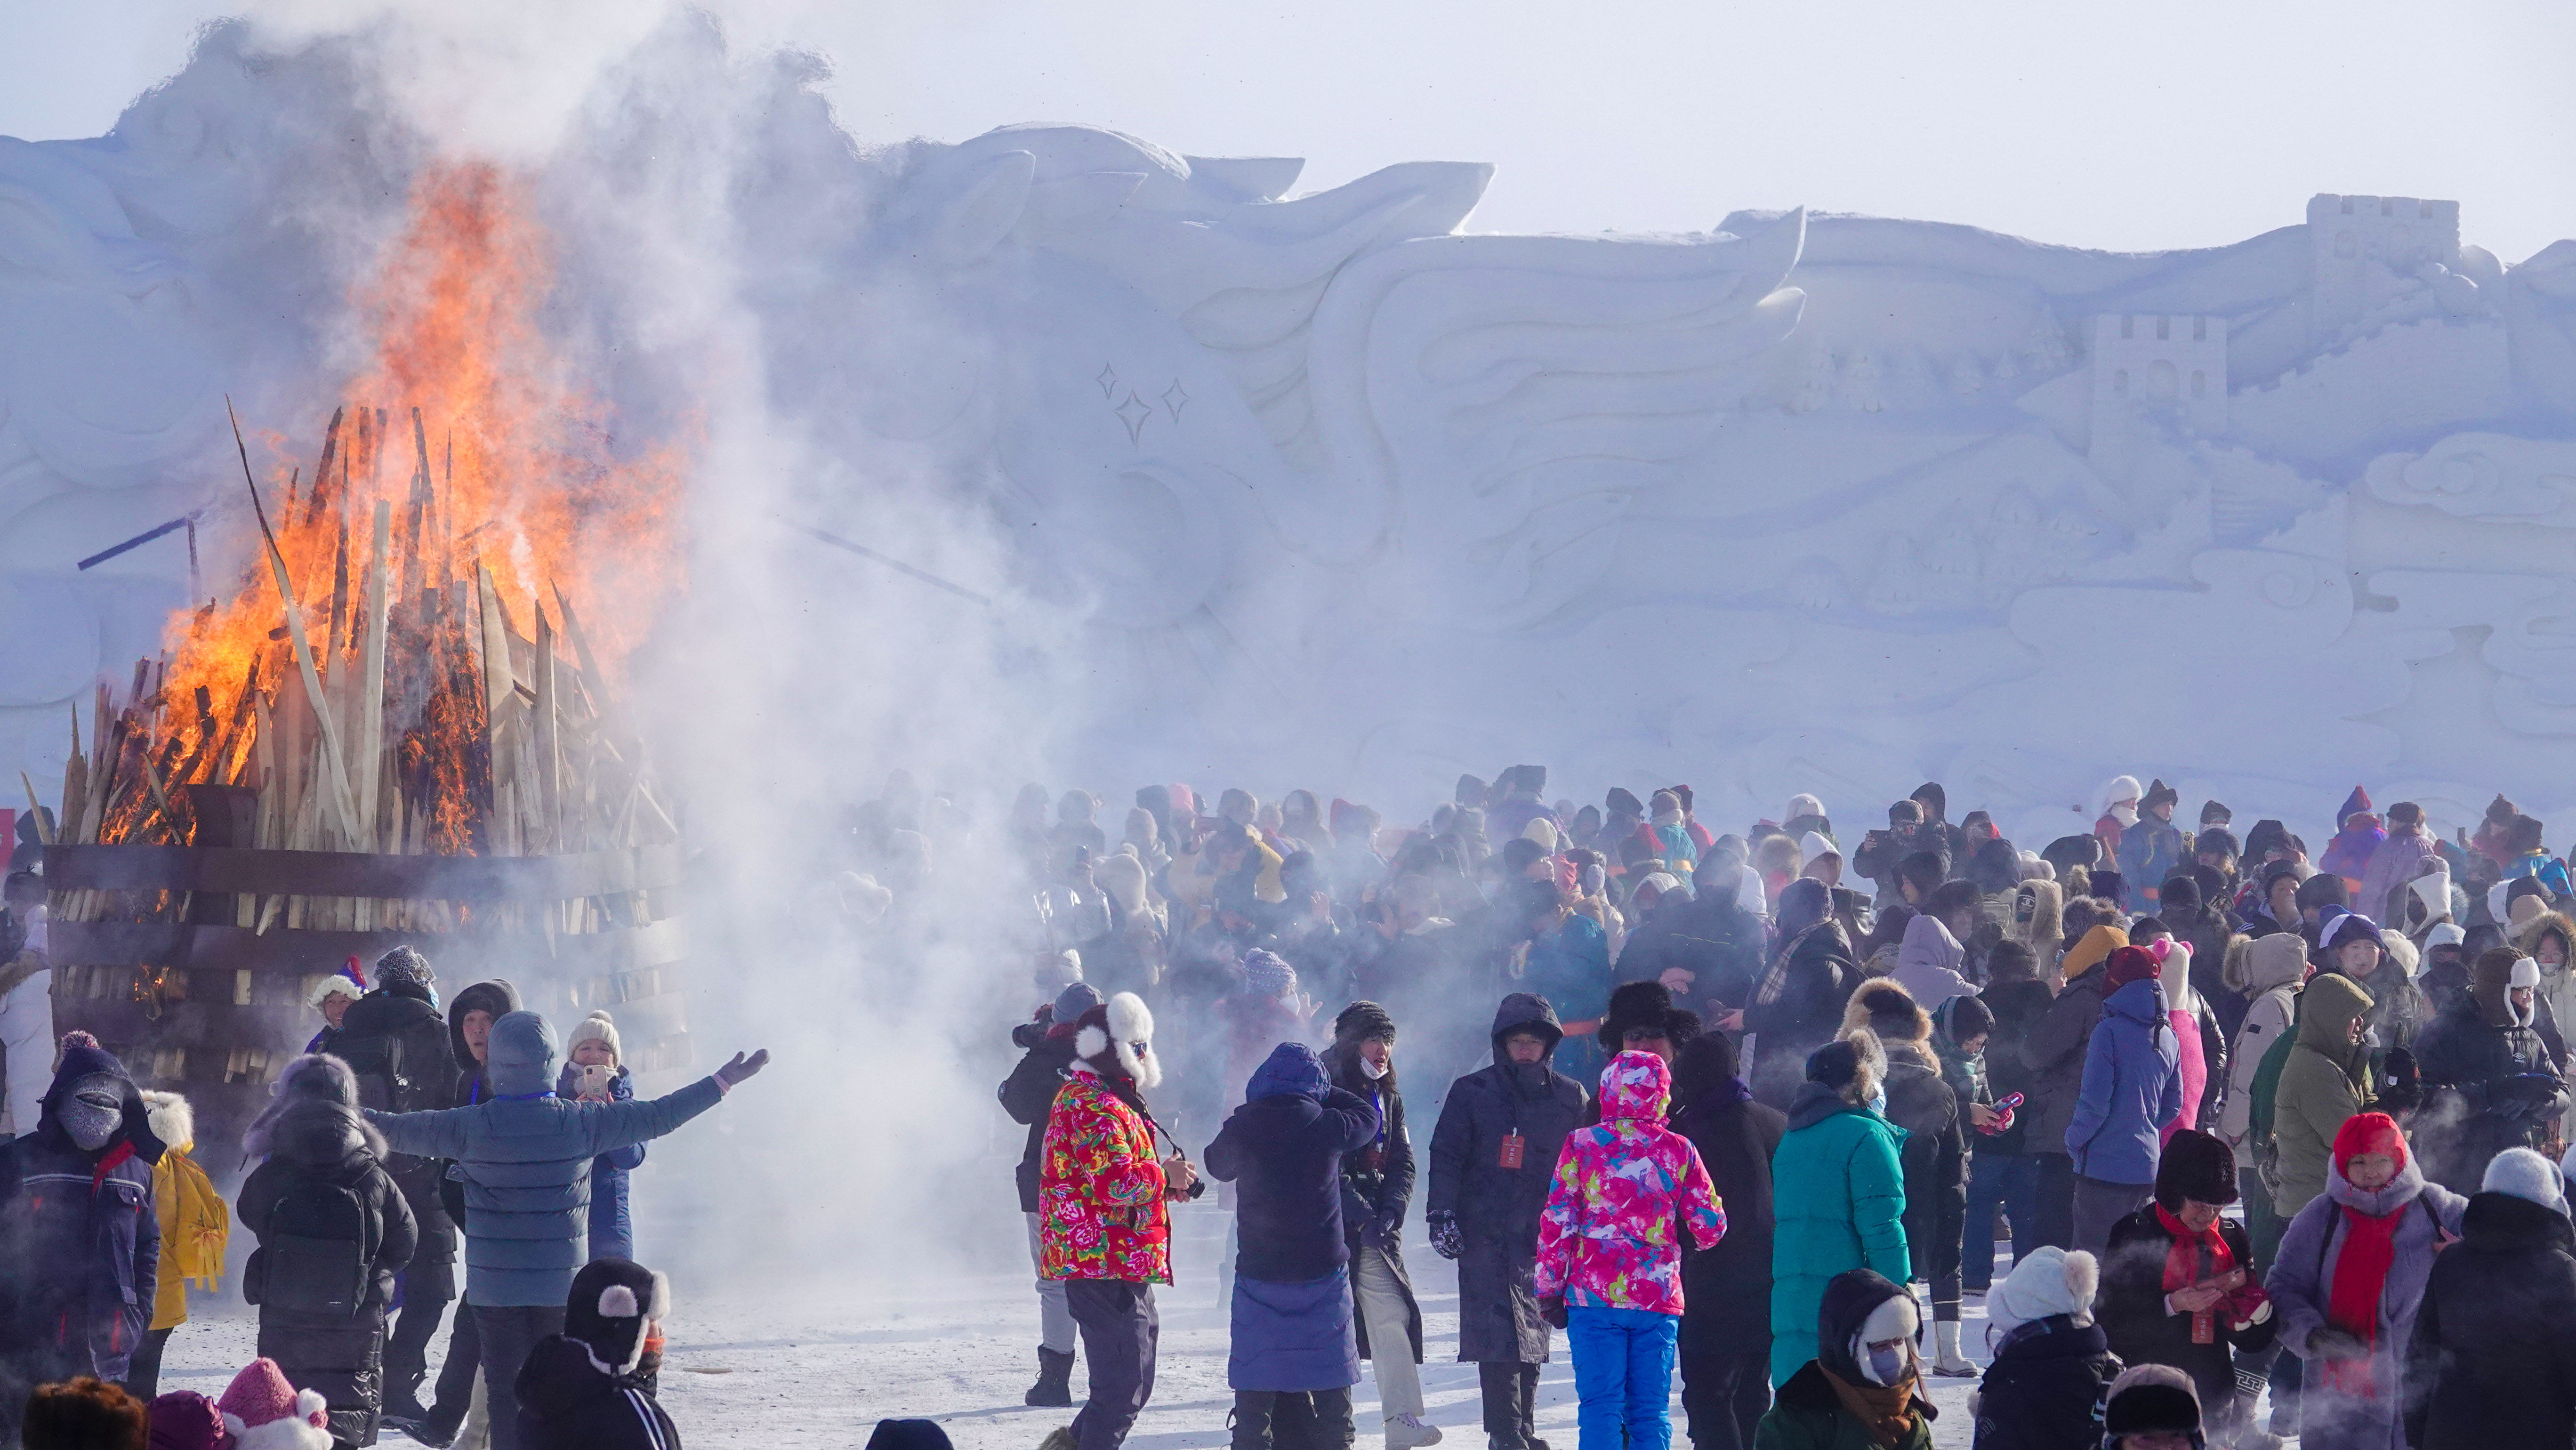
2132,1087
526,1155
612,1226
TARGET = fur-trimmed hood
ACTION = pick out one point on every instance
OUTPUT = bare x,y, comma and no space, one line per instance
2527,939
172,1120
313,1117
1883,1008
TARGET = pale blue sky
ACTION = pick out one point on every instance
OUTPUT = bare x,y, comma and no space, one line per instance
2172,123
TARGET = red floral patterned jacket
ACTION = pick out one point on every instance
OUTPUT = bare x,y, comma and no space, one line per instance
1101,1196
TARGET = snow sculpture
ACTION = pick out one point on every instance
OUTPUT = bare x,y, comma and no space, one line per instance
1801,502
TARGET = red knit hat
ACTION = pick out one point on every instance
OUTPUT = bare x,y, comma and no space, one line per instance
2368,1133
262,1411
2131,964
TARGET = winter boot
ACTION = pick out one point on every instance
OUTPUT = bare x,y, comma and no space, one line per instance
1407,1432
1946,1359
1054,1388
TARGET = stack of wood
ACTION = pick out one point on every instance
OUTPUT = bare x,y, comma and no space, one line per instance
369,692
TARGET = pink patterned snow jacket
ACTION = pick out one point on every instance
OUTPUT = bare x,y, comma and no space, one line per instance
1611,1234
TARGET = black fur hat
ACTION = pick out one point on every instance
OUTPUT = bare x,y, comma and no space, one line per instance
611,1303
2195,1166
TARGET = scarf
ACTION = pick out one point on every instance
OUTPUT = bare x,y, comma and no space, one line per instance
2352,1304
2193,1259
1886,1411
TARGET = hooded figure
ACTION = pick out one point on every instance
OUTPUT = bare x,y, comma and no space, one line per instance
2477,1375
2132,1087
2181,1245
1925,1109
2052,1365
1492,1156
525,1154
2325,1079
1610,1254
1838,1192
2267,971
1292,1333
1927,965
195,1227
1726,1316
80,1242
2493,1082
1862,1386
334,1230
2358,835
592,1386
2350,1273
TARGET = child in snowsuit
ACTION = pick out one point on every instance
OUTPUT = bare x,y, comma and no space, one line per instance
612,1224
591,1387
2052,1364
195,1227
80,1247
1609,1253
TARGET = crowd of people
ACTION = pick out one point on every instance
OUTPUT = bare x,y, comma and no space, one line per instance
2262,1128
402,1136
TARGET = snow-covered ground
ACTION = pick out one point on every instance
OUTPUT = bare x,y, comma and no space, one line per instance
802,1368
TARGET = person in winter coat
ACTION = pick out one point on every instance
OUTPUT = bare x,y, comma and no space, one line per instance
1933,1153
2492,1082
525,1156
2268,971
470,1015
195,1228
2325,1080
404,1055
2053,1052
592,1051
1377,1186
1863,1387
2546,940
2003,1172
2355,947
1105,1222
2052,1366
1493,1156
2132,1086
329,999
2197,1035
1798,1004
1568,963
2477,1377
1928,964
333,1231
2151,848
2178,1287
26,1001
591,1387
1726,1308
1610,1256
2357,838
2394,862
80,1236
1028,1095
2351,1272
2528,857
2201,925
1292,1337
1837,1192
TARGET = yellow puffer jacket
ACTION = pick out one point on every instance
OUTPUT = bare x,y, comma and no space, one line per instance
194,1223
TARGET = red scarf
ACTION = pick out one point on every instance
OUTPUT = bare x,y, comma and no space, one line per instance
2194,1258
2352,1304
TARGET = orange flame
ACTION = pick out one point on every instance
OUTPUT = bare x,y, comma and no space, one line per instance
479,432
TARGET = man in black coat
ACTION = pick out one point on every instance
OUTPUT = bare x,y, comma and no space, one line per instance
1492,1158
80,1247
2490,1363
591,1387
1027,1094
333,1231
1292,1355
397,1043
1377,1186
470,1015
2492,1078
1726,1291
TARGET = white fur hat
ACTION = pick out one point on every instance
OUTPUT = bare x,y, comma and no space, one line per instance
2444,934
1814,844
2526,973
2526,1175
1123,1022
1804,805
338,984
1896,1317
598,1026
2047,1281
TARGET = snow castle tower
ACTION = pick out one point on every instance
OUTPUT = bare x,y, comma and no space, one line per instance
2365,250
2153,361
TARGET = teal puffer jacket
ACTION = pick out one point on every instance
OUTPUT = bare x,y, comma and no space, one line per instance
1838,1192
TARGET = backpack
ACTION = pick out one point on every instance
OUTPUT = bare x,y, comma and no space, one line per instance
314,1259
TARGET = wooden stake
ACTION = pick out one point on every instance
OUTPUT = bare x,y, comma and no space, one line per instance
371,679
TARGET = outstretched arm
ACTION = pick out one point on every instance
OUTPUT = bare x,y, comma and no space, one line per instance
618,1125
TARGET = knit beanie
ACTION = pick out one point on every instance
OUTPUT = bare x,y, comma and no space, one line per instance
598,1026
1364,1022
2368,1133
1076,999
2095,946
2526,1175
2131,964
264,1412
1267,974
2048,1280
404,964
186,1420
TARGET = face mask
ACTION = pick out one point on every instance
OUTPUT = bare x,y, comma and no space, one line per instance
1885,1365
2125,815
90,1116
1878,1101
1371,1070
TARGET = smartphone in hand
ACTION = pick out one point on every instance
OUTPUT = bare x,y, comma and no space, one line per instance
593,1083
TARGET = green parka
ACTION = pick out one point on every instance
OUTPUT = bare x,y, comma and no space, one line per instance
1838,1194
2325,1081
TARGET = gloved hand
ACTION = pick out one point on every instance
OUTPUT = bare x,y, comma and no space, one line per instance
732,1073
1552,1309
1447,1239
